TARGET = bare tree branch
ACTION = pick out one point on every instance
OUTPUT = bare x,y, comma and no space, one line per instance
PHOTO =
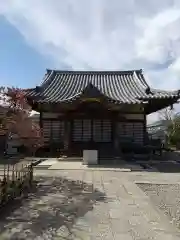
167,114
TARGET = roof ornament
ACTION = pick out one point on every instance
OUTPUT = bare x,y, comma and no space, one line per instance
138,79
143,81
47,76
148,90
48,70
38,88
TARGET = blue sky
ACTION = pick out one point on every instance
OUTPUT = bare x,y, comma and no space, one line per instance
83,34
20,64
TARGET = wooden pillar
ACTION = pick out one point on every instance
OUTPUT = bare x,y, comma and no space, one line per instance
66,135
40,120
144,129
115,135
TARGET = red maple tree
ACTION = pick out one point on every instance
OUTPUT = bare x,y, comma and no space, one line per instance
17,119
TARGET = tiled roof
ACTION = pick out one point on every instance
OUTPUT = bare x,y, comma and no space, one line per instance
116,86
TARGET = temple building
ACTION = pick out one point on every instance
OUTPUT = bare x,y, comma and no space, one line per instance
95,109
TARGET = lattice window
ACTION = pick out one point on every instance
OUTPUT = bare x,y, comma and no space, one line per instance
97,131
106,131
57,130
131,130
92,130
102,130
86,136
53,130
138,132
77,130
47,130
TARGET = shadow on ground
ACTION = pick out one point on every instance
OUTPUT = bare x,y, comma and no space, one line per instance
50,211
163,167
166,167
168,163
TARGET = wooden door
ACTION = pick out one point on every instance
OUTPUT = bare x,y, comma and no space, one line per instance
92,130
102,131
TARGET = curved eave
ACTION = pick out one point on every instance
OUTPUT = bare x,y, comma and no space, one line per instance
33,96
160,94
42,99
52,97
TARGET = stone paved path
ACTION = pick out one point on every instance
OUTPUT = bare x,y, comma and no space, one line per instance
88,205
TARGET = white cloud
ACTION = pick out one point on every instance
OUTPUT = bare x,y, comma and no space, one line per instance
103,34
160,40
175,67
152,117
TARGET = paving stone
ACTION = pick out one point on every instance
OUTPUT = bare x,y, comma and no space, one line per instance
103,231
82,225
123,236
114,214
93,218
166,236
101,228
135,220
110,207
63,231
79,235
158,226
120,225
101,219
115,204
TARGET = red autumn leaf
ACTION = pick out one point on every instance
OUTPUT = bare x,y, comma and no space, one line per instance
17,120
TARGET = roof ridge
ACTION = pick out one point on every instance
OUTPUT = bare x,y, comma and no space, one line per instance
94,71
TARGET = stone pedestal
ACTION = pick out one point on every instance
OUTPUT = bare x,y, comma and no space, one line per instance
90,157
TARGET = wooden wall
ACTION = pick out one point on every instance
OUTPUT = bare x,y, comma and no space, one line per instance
132,126
95,130
133,130
53,128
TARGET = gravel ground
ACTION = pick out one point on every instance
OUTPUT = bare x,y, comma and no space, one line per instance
167,198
